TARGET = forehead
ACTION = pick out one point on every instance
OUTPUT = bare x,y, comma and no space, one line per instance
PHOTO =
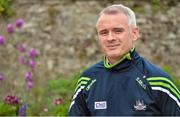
112,20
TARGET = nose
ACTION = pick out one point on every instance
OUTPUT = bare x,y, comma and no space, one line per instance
110,36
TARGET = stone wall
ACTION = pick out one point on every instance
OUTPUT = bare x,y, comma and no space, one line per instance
64,33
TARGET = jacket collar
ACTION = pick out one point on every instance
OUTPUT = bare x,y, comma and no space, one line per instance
123,62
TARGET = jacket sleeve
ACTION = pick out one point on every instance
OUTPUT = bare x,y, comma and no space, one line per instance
167,95
169,104
78,105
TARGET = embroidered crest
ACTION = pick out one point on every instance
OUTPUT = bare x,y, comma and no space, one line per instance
140,106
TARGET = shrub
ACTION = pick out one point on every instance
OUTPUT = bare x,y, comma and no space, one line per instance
5,8
170,72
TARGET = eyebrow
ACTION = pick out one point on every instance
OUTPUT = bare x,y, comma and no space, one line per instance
103,30
118,29
113,29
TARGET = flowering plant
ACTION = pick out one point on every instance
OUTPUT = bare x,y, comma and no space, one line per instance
26,56
10,105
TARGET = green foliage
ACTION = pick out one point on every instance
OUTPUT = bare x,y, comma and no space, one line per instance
8,110
5,8
61,88
65,89
162,5
170,72
138,8
62,110
156,5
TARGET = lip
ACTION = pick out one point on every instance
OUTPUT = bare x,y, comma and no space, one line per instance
112,47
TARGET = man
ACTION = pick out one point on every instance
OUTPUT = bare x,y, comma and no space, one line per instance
123,83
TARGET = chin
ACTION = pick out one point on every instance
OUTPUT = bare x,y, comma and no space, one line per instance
114,54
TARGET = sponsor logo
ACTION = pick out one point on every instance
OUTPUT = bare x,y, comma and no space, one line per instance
140,106
89,86
100,105
140,82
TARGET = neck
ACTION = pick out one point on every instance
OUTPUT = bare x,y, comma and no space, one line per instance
107,64
112,60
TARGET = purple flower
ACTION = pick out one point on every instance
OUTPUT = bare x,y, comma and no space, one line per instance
28,76
33,53
22,47
19,23
2,77
23,59
29,85
32,64
12,100
2,40
22,110
10,28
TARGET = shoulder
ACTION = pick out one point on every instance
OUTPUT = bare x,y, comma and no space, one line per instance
88,77
94,69
153,70
90,74
161,82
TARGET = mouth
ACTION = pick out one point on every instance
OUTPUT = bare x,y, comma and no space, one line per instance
112,47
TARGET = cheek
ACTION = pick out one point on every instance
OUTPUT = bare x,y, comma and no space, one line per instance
128,44
102,45
102,42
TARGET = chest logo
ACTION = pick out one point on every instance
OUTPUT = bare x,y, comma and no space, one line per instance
140,106
140,82
100,105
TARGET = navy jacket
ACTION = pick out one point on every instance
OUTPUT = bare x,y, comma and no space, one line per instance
132,87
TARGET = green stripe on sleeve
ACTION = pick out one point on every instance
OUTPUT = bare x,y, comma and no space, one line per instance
82,81
83,78
166,86
164,79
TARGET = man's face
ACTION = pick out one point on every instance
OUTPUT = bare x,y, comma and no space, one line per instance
116,38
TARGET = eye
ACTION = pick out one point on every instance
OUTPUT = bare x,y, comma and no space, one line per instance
103,32
118,30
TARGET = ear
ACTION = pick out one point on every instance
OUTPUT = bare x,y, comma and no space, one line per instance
135,33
